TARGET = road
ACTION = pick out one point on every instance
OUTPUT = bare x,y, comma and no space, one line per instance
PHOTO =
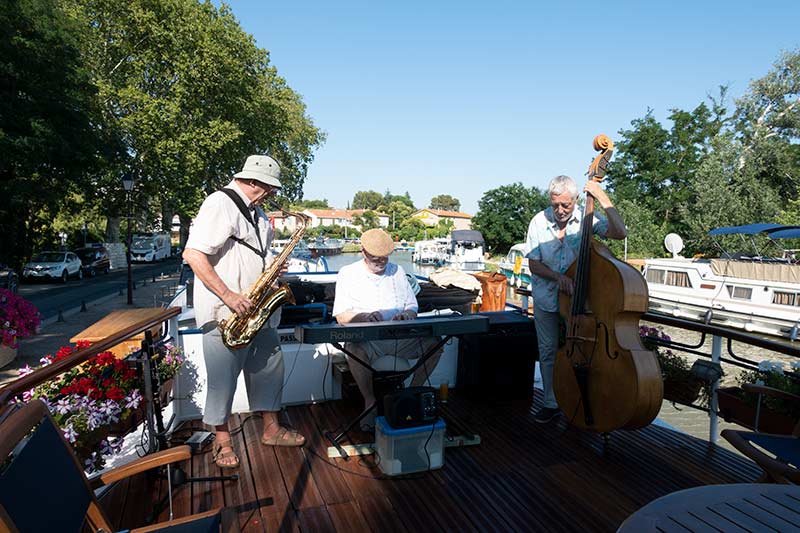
50,298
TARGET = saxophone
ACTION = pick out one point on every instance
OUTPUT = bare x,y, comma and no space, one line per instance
238,331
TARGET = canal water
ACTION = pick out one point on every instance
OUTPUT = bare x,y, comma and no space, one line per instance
402,258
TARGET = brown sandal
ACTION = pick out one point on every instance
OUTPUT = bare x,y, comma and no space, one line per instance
284,438
219,456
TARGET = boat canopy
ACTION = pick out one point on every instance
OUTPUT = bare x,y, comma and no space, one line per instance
466,235
748,229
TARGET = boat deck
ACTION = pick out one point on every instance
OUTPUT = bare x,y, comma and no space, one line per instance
523,476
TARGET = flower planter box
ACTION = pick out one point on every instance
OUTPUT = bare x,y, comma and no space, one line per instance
734,409
685,391
7,354
137,416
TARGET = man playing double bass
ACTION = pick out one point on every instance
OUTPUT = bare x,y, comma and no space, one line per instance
553,242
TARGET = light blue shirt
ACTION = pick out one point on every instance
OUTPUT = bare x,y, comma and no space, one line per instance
544,245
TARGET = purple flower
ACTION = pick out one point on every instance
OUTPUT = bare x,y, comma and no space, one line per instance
63,406
25,370
69,433
133,399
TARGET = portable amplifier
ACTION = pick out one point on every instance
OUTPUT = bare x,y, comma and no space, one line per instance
411,407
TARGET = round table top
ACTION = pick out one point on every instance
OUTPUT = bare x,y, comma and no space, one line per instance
733,507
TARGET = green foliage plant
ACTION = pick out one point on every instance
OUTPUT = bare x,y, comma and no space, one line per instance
504,214
772,375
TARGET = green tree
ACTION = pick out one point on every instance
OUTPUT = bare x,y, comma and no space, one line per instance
312,204
367,220
725,195
397,211
768,124
192,96
504,214
445,202
367,200
48,143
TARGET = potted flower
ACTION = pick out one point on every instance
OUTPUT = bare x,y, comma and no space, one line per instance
88,400
168,360
777,414
680,385
18,320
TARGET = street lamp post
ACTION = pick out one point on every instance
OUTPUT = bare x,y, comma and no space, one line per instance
127,184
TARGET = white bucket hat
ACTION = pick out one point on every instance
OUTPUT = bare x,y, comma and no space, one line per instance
261,168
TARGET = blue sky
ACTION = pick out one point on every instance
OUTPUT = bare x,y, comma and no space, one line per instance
458,98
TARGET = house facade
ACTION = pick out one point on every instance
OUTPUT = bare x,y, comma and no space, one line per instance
431,217
341,217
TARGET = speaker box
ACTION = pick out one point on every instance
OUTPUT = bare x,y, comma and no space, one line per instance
411,407
502,362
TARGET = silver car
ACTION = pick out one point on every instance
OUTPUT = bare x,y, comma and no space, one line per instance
53,266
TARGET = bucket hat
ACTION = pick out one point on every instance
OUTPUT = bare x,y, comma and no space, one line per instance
261,168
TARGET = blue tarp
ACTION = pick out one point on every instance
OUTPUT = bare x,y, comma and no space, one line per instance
748,229
789,232
773,231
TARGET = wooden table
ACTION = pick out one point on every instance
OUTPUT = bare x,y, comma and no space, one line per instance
117,321
734,507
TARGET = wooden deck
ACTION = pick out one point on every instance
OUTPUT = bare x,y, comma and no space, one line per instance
522,477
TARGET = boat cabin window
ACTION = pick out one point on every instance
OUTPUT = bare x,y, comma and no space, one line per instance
786,298
678,279
675,278
655,275
739,293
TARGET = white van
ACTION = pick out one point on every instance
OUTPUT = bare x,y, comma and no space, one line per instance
150,247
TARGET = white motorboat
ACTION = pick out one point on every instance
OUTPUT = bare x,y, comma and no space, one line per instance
753,293
465,251
430,252
515,266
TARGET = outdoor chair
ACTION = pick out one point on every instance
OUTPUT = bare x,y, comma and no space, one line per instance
777,455
43,486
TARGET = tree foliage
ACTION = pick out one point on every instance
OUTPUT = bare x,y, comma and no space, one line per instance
504,214
367,200
48,111
445,202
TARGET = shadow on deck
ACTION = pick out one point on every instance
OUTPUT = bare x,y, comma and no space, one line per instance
522,477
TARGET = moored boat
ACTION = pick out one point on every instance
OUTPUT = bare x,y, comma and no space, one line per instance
750,292
515,266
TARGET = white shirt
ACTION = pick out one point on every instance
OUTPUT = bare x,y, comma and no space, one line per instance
238,266
543,245
360,291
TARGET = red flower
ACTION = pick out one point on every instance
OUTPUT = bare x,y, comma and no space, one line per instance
115,393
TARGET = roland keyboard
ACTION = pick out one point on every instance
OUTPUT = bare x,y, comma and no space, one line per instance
392,329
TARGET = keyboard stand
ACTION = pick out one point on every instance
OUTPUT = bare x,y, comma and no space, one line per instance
383,382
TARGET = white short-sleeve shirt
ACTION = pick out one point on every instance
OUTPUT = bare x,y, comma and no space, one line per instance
359,290
543,245
238,266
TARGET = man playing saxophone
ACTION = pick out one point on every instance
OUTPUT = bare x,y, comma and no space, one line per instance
228,249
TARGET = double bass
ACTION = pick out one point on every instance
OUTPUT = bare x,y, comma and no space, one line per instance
604,378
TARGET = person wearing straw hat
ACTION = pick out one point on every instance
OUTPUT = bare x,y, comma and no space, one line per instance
228,249
373,290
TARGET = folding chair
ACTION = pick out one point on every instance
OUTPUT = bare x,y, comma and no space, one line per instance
43,486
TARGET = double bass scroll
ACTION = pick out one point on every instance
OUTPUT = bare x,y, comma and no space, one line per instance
604,378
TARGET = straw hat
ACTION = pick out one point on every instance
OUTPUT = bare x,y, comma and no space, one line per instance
377,243
261,168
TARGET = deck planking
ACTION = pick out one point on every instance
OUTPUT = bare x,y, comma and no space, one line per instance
523,476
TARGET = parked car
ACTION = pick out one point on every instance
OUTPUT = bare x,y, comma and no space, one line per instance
8,278
52,266
94,259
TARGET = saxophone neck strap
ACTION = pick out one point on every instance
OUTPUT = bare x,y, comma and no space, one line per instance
252,218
